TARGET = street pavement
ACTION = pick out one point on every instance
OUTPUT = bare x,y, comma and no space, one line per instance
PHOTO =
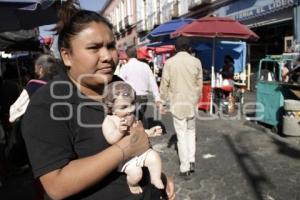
235,160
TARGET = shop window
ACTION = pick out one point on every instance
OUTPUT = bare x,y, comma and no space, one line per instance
288,44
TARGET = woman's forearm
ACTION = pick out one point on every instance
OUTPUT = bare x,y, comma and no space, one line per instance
82,173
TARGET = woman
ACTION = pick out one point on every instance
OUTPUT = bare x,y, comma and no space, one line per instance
62,123
45,68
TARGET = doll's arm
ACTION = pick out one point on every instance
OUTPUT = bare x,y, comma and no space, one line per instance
111,132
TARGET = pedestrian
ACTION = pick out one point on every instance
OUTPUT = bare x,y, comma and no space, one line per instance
285,71
15,151
181,86
139,75
10,89
63,120
228,68
122,60
45,68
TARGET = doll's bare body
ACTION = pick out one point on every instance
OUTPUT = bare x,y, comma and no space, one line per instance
116,126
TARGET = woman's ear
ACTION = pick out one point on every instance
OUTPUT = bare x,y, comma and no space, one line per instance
66,56
41,72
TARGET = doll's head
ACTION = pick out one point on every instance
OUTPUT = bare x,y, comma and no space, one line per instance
120,100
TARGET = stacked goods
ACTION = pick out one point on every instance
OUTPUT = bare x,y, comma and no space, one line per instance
291,119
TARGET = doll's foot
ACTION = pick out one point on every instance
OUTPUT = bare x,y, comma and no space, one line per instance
135,189
158,184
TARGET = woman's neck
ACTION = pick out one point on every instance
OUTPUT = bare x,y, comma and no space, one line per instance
95,93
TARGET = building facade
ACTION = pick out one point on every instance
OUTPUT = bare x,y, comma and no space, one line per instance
275,21
134,19
122,14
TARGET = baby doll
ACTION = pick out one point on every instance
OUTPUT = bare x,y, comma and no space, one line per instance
120,102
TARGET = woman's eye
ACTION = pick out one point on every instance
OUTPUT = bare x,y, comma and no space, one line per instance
94,48
111,46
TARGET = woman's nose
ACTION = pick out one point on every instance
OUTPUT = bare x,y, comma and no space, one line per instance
105,55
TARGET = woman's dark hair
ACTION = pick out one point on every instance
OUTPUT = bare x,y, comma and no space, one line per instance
73,20
48,64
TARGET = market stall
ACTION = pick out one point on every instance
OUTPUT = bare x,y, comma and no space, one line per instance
215,28
236,49
272,92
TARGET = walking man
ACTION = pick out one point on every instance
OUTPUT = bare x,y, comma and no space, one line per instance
139,75
181,86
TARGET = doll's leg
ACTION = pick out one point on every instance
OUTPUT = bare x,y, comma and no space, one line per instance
153,162
134,175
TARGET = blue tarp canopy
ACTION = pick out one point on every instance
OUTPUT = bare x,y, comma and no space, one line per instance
27,14
162,32
161,43
236,49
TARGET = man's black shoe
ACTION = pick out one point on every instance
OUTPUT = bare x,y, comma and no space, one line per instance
185,175
192,167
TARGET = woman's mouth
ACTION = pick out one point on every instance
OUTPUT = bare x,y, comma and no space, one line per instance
106,70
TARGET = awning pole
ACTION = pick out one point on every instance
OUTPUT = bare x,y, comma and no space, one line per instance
212,76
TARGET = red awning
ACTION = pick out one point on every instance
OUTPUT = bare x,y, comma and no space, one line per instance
216,27
142,53
164,49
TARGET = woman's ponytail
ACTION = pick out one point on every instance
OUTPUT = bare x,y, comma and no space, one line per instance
72,20
67,10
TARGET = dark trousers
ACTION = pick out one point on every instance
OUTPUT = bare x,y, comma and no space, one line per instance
141,105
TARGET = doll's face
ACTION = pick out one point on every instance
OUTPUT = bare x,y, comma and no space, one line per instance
124,108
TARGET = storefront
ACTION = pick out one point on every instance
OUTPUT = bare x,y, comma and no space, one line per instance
272,20
275,21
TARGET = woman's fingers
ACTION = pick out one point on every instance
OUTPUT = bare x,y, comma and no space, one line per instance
170,188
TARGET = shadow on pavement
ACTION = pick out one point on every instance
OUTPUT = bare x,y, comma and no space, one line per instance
286,149
173,142
254,173
257,126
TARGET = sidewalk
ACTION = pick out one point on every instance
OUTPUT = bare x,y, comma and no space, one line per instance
236,160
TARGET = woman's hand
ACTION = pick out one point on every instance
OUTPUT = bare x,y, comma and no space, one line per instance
136,142
170,186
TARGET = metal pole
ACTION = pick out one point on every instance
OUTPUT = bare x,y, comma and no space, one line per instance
212,76
248,76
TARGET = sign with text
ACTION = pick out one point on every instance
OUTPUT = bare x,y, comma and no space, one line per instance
244,10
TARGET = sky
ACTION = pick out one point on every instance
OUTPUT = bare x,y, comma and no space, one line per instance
94,5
